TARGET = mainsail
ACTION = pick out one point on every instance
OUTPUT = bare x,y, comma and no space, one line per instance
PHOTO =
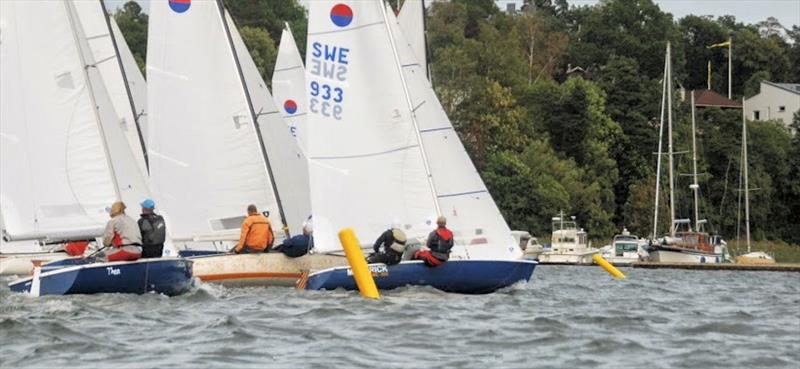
289,165
207,162
63,156
289,86
365,161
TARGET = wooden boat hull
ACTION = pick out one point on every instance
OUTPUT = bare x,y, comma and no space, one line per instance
458,276
22,264
267,269
170,276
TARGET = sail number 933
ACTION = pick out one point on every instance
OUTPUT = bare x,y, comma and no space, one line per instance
326,100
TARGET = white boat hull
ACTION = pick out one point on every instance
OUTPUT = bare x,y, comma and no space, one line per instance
566,258
270,269
22,264
666,256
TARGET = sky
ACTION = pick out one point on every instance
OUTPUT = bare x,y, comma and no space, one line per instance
748,11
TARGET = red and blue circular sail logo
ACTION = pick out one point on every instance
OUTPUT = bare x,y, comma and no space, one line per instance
341,15
290,106
180,6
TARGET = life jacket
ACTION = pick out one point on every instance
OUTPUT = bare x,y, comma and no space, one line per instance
399,244
76,248
117,240
443,243
157,232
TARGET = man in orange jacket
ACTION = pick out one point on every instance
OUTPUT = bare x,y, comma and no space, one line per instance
256,233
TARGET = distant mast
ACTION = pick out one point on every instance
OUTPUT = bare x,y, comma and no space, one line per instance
746,184
694,186
660,142
669,145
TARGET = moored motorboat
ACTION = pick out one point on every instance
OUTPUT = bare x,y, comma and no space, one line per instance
625,249
568,245
457,276
170,276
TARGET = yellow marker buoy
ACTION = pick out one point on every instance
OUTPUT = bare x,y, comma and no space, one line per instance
607,266
355,257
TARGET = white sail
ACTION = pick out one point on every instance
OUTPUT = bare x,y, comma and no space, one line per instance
463,197
206,161
288,162
55,176
98,35
365,162
411,19
136,83
289,86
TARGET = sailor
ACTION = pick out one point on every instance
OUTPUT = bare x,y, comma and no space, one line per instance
437,250
122,235
154,230
256,235
389,247
300,244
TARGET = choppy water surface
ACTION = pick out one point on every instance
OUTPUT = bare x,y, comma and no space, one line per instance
567,317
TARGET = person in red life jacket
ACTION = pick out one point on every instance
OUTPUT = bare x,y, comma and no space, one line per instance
256,235
122,236
437,250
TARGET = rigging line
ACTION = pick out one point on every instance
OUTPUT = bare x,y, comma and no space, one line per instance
346,30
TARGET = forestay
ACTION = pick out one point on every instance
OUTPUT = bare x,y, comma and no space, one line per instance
206,161
58,130
463,197
288,162
98,35
289,86
365,162
411,19
136,83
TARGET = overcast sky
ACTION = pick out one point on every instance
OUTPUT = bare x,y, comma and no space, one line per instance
747,11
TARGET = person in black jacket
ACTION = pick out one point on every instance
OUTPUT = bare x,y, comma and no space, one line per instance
154,230
437,249
389,247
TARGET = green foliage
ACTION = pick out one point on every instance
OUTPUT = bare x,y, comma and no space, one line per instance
133,24
262,49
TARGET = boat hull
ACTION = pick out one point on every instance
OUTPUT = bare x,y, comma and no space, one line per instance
22,264
266,269
458,276
669,256
566,258
170,276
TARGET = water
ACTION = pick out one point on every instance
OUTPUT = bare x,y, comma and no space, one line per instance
567,317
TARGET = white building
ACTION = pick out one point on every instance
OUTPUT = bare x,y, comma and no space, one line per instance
776,101
509,6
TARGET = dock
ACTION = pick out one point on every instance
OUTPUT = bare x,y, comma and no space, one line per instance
779,267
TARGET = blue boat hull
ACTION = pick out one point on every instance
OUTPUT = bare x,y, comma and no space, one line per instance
458,276
170,276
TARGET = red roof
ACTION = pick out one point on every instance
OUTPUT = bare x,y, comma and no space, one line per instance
706,98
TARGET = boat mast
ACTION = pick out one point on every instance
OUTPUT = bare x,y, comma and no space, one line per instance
669,134
85,56
253,115
746,184
127,86
660,143
695,187
411,109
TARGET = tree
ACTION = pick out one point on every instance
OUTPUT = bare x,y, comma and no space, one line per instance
262,49
132,23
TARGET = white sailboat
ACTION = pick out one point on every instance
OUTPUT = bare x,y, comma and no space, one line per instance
688,245
54,104
384,151
215,138
289,86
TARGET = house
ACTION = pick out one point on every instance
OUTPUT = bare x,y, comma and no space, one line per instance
775,101
709,99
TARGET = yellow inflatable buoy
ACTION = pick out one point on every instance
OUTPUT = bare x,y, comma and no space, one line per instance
607,266
355,257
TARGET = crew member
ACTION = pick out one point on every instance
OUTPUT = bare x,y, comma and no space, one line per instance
389,247
154,230
437,250
122,235
256,235
300,244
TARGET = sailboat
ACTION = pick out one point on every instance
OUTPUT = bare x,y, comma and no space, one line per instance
751,257
216,146
384,151
55,103
684,244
